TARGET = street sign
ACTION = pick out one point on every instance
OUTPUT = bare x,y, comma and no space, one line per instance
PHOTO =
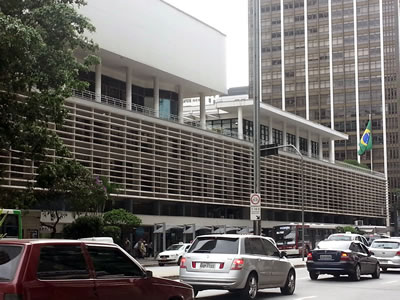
255,200
255,207
255,213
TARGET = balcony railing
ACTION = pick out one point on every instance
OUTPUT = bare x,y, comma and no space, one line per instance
144,110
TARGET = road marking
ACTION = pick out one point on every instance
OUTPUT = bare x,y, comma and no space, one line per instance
390,282
309,297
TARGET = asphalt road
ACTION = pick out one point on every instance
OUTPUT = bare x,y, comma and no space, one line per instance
327,288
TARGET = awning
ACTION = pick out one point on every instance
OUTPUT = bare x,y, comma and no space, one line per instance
190,229
226,229
246,230
167,228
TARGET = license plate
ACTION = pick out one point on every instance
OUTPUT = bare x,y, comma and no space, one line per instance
325,257
204,265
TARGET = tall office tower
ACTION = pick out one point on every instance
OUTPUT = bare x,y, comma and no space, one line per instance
336,62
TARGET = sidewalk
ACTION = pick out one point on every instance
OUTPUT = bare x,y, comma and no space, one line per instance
173,273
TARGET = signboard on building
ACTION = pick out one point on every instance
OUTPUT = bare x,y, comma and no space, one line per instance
255,207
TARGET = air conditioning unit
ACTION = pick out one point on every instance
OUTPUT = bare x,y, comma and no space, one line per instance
359,222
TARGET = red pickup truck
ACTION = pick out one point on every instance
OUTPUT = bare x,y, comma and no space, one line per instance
73,270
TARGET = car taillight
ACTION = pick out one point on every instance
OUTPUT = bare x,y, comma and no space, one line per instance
183,261
398,253
237,264
344,256
12,297
221,265
309,256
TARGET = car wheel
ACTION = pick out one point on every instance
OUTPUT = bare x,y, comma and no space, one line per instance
313,275
377,272
356,275
179,261
160,264
250,290
384,270
290,284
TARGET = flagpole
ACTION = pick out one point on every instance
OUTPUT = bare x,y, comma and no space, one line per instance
370,119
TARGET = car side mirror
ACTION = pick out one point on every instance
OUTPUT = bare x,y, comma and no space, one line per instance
283,254
149,274
370,253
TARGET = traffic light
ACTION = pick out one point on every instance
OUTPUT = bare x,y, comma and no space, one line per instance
270,149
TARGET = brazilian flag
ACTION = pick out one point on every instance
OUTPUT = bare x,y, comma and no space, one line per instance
366,140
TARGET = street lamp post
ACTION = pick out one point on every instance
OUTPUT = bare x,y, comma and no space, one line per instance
256,103
265,153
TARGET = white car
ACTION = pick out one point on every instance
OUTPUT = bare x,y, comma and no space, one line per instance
387,251
173,254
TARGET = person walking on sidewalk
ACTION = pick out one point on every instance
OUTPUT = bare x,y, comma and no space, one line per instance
150,249
142,249
127,245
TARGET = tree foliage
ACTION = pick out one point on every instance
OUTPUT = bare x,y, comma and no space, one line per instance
38,71
351,229
67,185
85,226
122,218
114,232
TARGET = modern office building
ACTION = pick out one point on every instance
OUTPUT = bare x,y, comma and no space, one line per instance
179,167
335,62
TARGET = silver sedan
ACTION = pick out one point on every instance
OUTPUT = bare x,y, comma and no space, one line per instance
387,251
238,263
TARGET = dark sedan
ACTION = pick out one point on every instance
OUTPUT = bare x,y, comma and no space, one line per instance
342,258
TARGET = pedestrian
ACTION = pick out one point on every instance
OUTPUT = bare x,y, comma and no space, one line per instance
127,245
142,249
136,250
150,249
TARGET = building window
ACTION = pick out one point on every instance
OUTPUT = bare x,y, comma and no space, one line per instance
277,136
303,145
291,139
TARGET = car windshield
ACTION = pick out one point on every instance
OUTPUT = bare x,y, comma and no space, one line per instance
333,245
385,244
215,245
9,261
340,237
174,247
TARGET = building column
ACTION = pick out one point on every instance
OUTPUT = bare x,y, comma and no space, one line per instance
202,111
240,123
321,152
98,83
271,140
309,152
156,97
180,104
128,88
332,151
297,138
284,133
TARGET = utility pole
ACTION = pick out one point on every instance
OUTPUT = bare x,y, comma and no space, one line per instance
256,103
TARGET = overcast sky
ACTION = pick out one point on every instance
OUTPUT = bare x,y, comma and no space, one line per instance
229,17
